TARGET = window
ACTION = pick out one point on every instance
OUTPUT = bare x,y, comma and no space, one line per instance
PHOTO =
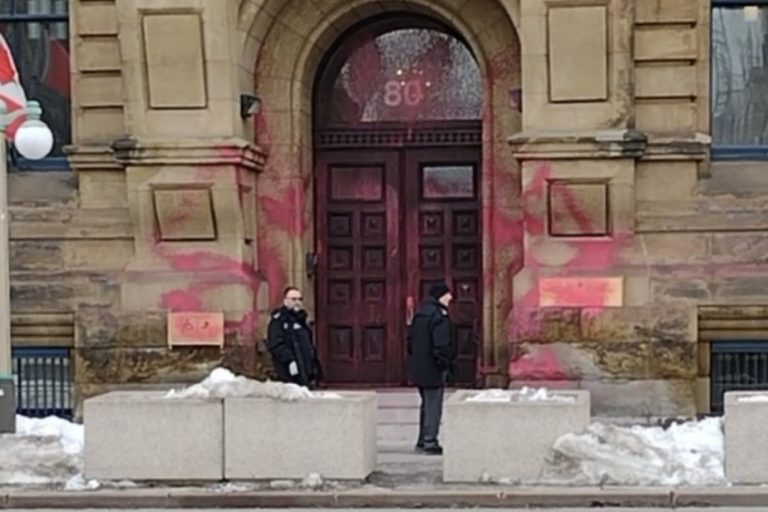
37,31
740,78
400,75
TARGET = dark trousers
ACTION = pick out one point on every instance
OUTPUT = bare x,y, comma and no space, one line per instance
284,375
430,415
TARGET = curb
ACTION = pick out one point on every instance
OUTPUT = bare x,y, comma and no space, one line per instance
583,497
163,499
751,496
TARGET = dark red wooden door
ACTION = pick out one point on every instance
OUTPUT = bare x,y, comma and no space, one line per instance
389,223
359,305
444,240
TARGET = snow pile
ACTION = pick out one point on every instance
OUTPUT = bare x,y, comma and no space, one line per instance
691,453
753,398
525,394
42,452
222,383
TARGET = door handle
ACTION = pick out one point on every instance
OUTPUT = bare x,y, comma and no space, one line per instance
409,310
310,259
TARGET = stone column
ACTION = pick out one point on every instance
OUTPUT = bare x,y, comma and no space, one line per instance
584,315
161,144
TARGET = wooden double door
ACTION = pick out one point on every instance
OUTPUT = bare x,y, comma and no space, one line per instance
389,223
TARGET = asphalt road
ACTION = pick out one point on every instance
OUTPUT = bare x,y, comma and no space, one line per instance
611,509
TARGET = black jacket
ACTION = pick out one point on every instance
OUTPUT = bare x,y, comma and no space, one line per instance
430,345
289,338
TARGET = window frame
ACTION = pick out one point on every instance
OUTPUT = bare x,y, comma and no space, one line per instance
14,161
736,152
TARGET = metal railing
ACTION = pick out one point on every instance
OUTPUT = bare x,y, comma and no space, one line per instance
737,366
44,381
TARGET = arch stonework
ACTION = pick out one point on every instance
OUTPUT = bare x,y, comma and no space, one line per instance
287,59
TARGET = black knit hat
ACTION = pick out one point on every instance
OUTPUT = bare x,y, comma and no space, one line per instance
437,290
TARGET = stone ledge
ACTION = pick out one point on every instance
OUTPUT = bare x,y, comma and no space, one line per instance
695,147
189,152
581,145
608,144
92,158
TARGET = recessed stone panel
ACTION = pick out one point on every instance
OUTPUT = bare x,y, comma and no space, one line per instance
185,214
578,53
578,208
677,42
173,52
666,11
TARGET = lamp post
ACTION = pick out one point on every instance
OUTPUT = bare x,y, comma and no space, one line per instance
33,140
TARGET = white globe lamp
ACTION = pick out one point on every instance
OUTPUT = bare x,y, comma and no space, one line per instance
33,140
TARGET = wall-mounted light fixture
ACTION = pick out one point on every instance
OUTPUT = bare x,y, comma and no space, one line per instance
250,105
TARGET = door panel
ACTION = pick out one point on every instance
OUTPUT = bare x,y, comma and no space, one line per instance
443,240
389,223
359,291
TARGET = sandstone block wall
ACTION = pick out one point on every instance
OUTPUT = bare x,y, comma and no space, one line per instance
613,232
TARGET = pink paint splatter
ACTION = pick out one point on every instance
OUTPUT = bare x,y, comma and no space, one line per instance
285,211
593,255
181,300
543,365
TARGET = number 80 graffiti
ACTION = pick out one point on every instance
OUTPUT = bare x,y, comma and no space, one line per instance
397,93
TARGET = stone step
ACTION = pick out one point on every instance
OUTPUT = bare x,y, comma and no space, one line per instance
397,434
404,398
396,415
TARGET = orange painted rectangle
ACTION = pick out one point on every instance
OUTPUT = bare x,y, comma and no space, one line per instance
195,329
581,291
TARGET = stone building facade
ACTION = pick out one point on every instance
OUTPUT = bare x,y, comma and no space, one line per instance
593,236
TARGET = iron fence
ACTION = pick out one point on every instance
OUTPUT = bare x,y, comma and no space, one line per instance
736,366
44,381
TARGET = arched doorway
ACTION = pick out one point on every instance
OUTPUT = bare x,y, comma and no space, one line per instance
397,152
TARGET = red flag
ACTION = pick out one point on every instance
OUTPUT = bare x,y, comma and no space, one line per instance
57,67
11,91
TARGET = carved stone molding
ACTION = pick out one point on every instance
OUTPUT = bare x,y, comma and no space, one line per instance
189,152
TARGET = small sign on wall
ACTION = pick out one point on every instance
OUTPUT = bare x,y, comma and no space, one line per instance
581,291
195,329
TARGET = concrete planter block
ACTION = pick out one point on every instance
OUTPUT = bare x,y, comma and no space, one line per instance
140,435
746,437
507,439
271,439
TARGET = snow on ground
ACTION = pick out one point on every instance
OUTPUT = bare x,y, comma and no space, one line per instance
690,453
525,394
222,383
46,451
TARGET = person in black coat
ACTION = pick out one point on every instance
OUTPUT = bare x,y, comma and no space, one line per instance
289,341
430,356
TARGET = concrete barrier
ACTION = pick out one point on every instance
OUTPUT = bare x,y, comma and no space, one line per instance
141,435
506,436
272,439
746,437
